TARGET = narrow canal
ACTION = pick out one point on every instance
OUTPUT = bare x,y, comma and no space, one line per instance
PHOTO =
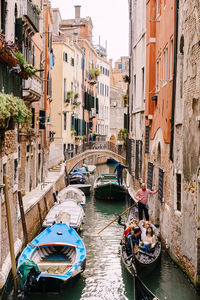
105,278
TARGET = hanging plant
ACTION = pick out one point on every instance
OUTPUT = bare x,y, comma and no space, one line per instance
122,135
25,67
13,109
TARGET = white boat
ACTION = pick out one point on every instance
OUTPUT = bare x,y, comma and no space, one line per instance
90,168
83,187
68,212
71,192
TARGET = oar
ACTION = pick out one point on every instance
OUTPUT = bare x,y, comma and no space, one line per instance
117,217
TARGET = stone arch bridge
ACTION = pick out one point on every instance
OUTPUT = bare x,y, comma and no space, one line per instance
72,162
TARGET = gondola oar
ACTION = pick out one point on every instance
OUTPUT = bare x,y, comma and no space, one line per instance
117,217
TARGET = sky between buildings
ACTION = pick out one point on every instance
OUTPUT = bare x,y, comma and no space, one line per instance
110,22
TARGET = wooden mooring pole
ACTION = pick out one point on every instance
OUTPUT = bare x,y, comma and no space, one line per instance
23,218
10,233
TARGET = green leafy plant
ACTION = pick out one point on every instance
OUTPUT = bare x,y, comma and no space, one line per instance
76,103
13,109
122,135
28,68
69,95
76,95
37,8
73,132
94,72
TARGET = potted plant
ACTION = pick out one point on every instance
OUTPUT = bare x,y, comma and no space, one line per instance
27,70
76,96
76,103
125,98
73,132
13,110
69,95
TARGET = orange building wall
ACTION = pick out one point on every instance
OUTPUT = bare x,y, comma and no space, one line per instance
162,29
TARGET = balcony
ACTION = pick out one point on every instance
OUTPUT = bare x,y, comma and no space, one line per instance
32,89
31,14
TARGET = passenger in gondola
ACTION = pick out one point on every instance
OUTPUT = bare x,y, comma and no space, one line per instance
149,241
133,238
143,227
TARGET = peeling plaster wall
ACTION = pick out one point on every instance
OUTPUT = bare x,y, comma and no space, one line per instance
184,244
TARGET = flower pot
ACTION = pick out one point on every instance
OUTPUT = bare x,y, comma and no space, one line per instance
24,74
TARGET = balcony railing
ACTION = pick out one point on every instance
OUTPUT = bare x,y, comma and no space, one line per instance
32,14
32,89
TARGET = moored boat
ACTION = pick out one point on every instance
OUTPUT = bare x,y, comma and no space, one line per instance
90,168
68,212
106,186
77,178
72,192
85,187
58,252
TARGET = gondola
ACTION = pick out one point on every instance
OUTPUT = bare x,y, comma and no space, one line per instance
141,292
106,187
141,258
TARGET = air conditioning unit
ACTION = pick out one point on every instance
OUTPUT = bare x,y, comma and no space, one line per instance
150,117
93,113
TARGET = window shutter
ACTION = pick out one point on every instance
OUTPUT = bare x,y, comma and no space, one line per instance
92,102
83,127
125,121
137,160
140,158
18,30
160,185
42,119
33,118
97,105
147,139
150,176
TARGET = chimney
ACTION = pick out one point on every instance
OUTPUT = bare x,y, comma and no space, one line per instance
77,11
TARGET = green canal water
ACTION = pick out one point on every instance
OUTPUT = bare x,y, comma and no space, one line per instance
105,277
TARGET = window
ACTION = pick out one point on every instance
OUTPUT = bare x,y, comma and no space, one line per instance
72,61
65,121
134,91
166,64
171,58
119,66
142,83
160,185
65,57
157,8
147,139
163,67
15,171
65,89
158,75
178,191
150,176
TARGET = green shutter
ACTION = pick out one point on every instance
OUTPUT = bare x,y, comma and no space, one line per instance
125,120
83,127
18,30
97,105
92,102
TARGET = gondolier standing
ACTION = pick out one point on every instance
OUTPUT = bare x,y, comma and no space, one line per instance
142,197
119,168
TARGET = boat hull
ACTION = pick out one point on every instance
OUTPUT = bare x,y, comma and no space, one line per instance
110,191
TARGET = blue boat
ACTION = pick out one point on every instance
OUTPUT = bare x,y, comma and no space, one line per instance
81,170
76,178
59,254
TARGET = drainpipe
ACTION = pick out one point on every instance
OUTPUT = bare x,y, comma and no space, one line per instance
45,69
174,80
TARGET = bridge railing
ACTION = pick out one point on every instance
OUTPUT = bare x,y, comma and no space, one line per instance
97,145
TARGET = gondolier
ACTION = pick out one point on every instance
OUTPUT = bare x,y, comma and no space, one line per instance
119,168
142,197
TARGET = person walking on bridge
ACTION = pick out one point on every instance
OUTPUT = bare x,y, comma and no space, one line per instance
119,169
